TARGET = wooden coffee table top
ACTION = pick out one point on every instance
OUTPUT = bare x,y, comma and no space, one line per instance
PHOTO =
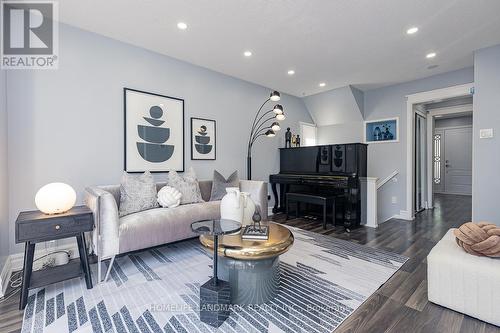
232,246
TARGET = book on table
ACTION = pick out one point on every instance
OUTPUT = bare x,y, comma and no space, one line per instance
255,232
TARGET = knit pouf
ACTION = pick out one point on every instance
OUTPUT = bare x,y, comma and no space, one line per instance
480,239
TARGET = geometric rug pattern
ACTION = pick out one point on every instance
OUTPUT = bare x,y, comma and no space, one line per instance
323,280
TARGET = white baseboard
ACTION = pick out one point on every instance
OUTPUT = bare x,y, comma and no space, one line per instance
403,215
17,259
5,276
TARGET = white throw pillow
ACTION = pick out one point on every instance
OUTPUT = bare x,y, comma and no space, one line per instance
187,184
169,197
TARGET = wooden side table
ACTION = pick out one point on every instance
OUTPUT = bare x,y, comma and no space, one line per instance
35,227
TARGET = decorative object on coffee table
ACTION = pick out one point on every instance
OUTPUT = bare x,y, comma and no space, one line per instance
480,239
215,294
203,139
154,132
250,266
256,230
230,205
35,227
263,126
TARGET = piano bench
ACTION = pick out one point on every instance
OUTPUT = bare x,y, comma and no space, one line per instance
313,199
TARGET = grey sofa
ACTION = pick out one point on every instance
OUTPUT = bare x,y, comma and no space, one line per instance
113,235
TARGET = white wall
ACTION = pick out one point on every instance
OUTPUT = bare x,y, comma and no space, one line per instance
4,216
67,124
341,133
384,158
452,122
486,157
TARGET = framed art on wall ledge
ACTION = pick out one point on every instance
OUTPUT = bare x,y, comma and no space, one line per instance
203,139
154,132
381,130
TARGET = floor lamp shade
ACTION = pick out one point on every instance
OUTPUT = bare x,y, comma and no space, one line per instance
55,198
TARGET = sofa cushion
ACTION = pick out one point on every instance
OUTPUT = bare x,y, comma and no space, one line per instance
187,184
137,193
163,225
219,184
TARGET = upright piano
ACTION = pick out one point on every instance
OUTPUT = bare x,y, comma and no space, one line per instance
329,170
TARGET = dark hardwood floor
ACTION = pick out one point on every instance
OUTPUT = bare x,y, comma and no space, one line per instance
400,305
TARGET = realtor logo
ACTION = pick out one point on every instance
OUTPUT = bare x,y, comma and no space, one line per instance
29,35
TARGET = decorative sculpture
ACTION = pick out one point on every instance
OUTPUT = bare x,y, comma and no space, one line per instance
297,141
480,239
288,138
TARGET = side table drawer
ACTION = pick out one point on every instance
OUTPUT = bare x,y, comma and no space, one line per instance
53,228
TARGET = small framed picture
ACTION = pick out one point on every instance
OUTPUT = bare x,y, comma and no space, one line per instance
382,130
203,139
154,132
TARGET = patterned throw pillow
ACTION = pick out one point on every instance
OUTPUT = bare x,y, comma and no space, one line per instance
219,185
137,193
187,184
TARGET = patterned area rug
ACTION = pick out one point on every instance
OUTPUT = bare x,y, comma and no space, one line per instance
323,280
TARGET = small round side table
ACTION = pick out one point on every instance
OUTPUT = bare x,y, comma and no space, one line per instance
215,294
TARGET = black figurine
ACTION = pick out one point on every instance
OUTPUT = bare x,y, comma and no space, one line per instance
288,138
297,141
256,218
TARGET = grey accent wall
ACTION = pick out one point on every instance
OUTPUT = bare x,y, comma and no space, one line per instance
341,133
384,158
67,124
486,157
337,106
452,122
4,216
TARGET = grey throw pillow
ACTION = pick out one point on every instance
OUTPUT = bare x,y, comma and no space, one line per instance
187,184
219,185
137,193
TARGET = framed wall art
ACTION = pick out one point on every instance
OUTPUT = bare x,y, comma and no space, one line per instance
382,130
154,132
203,139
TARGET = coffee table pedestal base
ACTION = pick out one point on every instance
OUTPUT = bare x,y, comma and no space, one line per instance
214,302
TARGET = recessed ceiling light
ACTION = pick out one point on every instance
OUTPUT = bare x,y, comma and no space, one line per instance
291,72
430,55
322,84
412,30
182,26
247,53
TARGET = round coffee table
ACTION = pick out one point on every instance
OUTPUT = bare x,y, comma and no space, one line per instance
251,266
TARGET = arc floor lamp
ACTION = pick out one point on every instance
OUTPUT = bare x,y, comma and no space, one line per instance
263,126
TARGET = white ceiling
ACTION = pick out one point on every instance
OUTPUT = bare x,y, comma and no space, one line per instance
340,42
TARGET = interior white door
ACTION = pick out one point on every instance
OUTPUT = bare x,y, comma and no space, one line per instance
458,160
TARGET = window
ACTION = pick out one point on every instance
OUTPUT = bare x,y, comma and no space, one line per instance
307,134
437,159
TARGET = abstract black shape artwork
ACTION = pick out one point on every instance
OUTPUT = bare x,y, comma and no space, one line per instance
154,132
203,139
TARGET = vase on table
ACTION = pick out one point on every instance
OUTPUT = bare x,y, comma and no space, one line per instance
231,207
248,208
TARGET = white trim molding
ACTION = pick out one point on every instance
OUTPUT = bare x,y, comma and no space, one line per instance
5,276
411,100
369,201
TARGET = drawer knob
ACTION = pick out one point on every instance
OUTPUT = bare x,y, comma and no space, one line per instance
58,227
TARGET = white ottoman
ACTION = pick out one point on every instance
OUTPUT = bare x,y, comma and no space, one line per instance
463,282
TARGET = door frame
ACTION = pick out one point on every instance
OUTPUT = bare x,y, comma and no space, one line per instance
457,110
418,98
